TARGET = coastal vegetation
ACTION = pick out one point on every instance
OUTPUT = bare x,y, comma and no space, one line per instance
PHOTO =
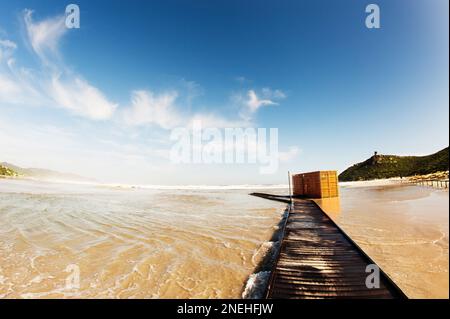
6,171
388,166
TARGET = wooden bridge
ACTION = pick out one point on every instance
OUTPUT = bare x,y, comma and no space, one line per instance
318,260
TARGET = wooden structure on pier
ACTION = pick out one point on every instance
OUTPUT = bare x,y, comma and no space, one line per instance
318,260
320,184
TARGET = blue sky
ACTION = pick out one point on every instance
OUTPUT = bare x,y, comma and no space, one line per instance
84,100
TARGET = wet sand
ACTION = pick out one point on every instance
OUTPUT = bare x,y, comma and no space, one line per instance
130,243
404,229
148,243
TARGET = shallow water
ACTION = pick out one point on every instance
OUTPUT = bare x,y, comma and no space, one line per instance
129,243
404,229
148,243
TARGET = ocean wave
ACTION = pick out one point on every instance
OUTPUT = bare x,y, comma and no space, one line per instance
256,285
197,187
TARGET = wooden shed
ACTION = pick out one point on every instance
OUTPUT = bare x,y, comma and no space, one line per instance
316,184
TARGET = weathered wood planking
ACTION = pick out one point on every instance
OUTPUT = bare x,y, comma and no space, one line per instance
318,260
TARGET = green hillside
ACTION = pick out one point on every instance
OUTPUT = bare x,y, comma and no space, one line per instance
40,173
387,166
5,171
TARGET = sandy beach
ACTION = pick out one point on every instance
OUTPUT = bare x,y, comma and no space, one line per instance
130,243
199,243
403,228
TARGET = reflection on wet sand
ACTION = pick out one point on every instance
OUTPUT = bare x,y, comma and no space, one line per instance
130,243
404,229
331,205
141,243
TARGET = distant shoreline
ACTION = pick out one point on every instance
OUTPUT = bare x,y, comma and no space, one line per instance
364,183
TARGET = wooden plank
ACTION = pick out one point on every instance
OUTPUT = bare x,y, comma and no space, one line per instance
318,260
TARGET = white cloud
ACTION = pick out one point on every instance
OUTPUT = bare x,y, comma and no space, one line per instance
8,44
52,84
192,90
15,83
273,94
254,102
6,49
8,88
44,36
150,108
81,98
21,86
71,153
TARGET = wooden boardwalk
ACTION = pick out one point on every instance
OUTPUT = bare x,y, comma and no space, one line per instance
318,260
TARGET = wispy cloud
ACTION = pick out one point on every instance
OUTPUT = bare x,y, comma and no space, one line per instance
254,102
8,88
78,96
52,83
17,85
250,102
7,48
8,44
192,89
150,108
272,94
44,35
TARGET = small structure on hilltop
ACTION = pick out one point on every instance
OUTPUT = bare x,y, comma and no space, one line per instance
376,159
